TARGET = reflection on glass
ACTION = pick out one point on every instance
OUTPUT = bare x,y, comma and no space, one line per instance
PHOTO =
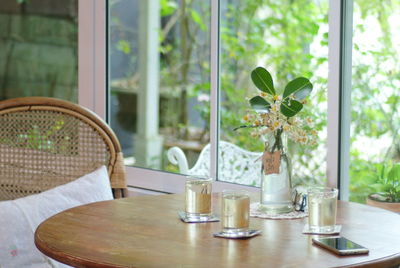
374,98
159,87
287,38
38,49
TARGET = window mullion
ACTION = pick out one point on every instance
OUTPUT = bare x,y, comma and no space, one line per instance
215,92
333,92
345,97
339,90
91,55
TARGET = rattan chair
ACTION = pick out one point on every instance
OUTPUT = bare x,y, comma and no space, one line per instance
46,142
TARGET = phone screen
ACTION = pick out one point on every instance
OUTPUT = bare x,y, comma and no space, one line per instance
341,245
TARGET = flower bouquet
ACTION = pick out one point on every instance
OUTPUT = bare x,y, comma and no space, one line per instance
275,118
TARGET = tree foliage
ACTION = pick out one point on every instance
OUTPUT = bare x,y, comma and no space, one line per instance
375,98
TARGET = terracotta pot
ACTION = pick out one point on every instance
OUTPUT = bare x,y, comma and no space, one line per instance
395,207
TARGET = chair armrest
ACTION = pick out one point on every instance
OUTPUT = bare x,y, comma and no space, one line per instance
177,157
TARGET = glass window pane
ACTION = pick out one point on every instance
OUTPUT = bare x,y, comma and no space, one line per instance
375,99
289,39
38,49
159,87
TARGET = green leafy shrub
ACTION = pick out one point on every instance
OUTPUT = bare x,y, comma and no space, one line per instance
388,182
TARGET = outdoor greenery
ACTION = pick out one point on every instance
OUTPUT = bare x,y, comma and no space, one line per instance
375,82
289,38
387,181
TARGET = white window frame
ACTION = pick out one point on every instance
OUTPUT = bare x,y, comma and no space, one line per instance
92,93
91,55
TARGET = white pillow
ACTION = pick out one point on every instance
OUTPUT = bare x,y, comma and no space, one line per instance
17,248
20,218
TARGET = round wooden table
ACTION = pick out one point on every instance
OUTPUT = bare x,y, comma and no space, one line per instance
145,231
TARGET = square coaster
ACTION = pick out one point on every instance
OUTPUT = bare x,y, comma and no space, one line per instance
237,235
192,219
336,230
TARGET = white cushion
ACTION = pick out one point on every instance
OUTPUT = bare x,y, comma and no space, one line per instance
19,218
17,248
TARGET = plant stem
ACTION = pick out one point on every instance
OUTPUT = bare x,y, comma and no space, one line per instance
278,145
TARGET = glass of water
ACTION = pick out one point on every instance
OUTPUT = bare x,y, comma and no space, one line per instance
322,206
198,196
235,210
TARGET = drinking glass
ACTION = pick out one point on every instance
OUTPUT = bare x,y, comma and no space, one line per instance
235,209
322,206
198,196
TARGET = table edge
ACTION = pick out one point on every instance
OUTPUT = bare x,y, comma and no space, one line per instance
66,258
388,261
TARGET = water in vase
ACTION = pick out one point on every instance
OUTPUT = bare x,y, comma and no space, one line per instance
276,189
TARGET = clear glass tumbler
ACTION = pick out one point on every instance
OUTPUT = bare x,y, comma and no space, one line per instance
322,206
235,210
198,196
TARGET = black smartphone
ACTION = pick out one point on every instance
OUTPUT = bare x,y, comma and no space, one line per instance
340,245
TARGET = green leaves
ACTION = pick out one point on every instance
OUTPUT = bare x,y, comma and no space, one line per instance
388,180
300,87
394,173
290,108
295,91
259,103
263,80
167,7
198,20
124,46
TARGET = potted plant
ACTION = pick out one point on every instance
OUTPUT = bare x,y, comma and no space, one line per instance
388,186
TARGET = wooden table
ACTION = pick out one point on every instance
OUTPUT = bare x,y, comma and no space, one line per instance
144,231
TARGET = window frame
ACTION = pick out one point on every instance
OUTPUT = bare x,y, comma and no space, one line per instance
91,56
339,95
93,93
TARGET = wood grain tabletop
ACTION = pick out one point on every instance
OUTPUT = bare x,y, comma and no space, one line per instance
145,231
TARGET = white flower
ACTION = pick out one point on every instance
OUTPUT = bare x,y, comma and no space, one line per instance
286,127
309,122
275,107
276,124
277,98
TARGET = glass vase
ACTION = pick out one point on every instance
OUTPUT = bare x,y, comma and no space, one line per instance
276,183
